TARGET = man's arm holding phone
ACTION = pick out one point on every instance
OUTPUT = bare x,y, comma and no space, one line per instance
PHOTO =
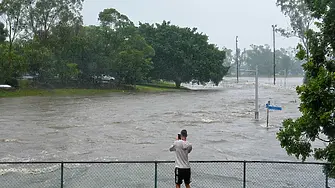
173,147
189,148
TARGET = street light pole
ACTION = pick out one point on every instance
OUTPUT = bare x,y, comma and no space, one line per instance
256,91
274,53
236,59
256,94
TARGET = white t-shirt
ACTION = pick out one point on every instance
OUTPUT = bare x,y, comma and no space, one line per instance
181,149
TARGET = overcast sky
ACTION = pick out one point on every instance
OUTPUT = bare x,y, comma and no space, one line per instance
221,20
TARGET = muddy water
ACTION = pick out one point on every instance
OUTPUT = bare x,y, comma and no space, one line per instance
142,126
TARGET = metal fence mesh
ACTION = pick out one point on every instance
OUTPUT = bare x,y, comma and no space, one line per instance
116,175
284,175
331,183
217,175
30,175
142,174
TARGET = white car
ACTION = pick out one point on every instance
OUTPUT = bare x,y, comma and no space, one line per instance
107,78
104,78
6,87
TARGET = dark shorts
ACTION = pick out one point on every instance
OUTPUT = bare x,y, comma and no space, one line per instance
182,174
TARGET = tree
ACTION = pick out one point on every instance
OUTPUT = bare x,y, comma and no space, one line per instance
134,60
61,42
13,13
69,72
3,33
85,49
30,25
128,54
114,29
96,51
182,54
263,57
317,96
45,14
228,61
301,20
286,63
216,58
52,25
11,70
38,60
47,39
113,19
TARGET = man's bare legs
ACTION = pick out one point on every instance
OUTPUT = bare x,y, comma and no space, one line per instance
187,185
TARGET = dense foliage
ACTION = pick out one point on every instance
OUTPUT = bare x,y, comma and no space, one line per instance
262,56
317,96
47,39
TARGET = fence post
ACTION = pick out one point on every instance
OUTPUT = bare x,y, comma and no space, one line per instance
244,173
155,174
61,174
327,180
327,172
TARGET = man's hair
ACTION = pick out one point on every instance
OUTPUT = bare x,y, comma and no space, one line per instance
183,133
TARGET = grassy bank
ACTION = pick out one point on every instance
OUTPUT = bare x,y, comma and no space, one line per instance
54,92
70,92
161,85
263,76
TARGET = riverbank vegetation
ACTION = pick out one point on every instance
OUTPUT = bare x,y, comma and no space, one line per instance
287,65
46,42
86,92
313,134
26,89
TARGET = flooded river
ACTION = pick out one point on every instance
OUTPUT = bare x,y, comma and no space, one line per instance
142,126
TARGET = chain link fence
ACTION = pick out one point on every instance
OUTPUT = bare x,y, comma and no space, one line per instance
109,175
125,174
203,174
14,175
276,175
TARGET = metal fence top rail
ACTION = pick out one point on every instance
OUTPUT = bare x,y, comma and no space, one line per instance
159,161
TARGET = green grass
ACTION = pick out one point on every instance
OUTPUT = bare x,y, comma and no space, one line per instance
146,88
163,84
24,84
54,92
163,87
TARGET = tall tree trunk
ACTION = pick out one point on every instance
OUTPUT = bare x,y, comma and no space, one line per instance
177,82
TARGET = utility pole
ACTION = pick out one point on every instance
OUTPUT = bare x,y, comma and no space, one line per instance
256,91
274,53
307,54
236,59
256,94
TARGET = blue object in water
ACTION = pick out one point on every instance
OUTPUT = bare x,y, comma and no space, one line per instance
273,107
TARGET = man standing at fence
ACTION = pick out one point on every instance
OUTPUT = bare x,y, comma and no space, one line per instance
182,166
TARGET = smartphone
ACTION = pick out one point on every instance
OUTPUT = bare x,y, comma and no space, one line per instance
179,136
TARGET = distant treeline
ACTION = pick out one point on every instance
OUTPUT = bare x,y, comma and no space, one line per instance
48,41
262,55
